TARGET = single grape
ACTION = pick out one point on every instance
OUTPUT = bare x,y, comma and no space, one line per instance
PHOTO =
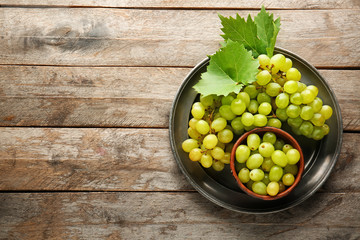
253,106
279,158
195,154
225,136
239,131
274,122
266,179
202,127
242,153
207,101
253,141
279,144
296,98
293,74
281,186
317,133
287,65
206,160
244,97
306,128
296,131
198,111
217,153
266,149
290,86
307,96
275,173
249,128
251,90
189,144
259,188
293,156
265,108
244,175
218,165
260,120
263,97
210,141
282,100
269,137
272,188
281,114
314,89
247,119
301,87
316,104
225,112
295,122
263,77
326,129
249,184
286,148
254,161
318,119
267,164
280,80
226,159
307,112
194,134
220,145
256,174
273,89
192,123
238,106
293,111
326,111
218,124
264,60
226,100
288,179
276,62
291,168
236,124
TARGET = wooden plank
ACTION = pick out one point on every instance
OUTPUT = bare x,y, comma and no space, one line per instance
80,36
223,4
118,96
154,215
116,159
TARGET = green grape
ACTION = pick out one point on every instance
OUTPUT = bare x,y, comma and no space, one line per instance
192,123
293,156
249,128
263,97
206,160
290,86
220,145
238,132
269,137
286,148
266,179
229,147
308,96
210,141
195,154
287,65
275,173
273,89
266,149
280,80
293,111
216,115
244,175
318,119
194,134
253,106
236,124
259,188
279,158
263,77
218,124
301,87
326,129
281,186
326,111
249,184
314,89
274,122
198,110
244,97
238,106
247,119
316,104
288,179
282,100
307,112
226,100
260,120
296,131
295,122
254,161
207,101
272,188
225,112
217,153
226,158
242,153
293,74
256,174
267,164
218,165
225,136
281,114
279,144
264,60
296,98
306,128
253,141
291,168
317,133
277,61
189,144
202,127
251,90
265,108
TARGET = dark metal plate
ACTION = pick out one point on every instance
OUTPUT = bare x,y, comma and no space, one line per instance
221,188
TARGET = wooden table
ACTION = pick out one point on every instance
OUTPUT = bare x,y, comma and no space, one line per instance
86,89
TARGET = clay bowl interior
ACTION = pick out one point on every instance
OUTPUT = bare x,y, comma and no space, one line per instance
279,134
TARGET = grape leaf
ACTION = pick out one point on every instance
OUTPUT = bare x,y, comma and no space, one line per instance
229,69
245,32
267,30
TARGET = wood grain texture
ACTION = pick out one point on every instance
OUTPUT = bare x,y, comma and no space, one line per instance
131,37
116,159
155,216
118,96
223,4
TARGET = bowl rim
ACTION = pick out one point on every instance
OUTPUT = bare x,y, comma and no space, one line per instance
287,137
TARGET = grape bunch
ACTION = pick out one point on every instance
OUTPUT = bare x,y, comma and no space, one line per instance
277,96
267,166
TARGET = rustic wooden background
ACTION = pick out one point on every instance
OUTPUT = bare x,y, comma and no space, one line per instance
86,89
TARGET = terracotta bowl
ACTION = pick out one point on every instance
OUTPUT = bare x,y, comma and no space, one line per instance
287,139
